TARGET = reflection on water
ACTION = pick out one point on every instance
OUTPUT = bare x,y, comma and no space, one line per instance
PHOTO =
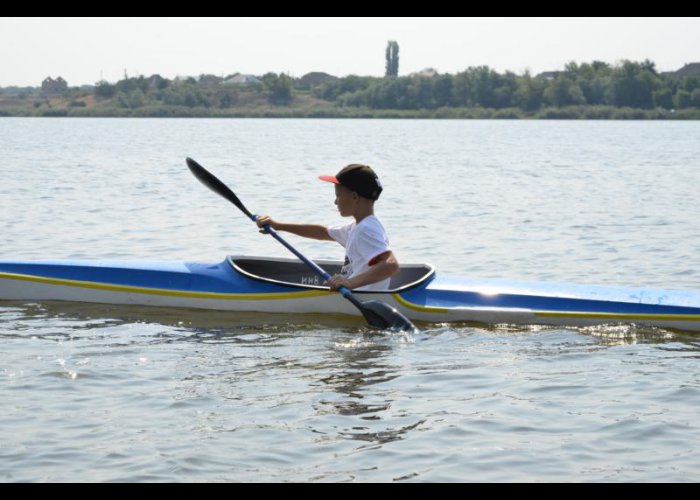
361,378
358,364
381,437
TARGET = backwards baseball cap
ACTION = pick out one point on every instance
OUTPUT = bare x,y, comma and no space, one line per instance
359,178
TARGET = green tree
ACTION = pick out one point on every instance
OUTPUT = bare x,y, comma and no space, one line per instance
689,83
128,85
184,94
392,59
280,89
462,89
593,79
633,84
506,88
528,95
105,90
695,98
562,91
348,85
683,99
484,83
663,98
225,97
443,90
425,93
132,100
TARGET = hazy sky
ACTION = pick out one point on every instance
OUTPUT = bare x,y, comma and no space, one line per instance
85,50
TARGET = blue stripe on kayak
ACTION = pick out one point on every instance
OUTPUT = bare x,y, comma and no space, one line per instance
127,289
182,276
452,292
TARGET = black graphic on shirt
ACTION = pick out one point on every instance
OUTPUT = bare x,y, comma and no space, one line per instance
346,270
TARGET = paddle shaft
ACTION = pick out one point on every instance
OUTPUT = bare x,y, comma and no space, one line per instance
316,268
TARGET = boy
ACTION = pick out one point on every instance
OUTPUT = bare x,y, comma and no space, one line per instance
369,261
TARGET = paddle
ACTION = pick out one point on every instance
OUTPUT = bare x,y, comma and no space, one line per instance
377,314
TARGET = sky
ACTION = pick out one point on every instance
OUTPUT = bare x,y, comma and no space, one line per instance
86,50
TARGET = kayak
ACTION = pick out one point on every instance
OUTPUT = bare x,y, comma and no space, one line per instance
278,285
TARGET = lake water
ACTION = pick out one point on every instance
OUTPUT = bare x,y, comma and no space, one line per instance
95,393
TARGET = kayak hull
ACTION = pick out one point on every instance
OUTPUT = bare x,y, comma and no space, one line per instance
249,284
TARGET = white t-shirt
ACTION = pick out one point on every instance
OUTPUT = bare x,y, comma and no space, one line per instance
363,242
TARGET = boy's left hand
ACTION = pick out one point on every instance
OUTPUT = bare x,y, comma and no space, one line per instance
337,281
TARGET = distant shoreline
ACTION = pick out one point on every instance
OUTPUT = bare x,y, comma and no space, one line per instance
588,91
564,113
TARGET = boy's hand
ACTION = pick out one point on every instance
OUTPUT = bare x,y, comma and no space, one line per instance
265,219
337,281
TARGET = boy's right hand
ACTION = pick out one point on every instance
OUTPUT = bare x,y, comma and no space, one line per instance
265,219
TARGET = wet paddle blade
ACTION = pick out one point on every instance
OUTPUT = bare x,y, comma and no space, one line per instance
385,317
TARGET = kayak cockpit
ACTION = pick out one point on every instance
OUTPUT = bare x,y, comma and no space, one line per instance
295,273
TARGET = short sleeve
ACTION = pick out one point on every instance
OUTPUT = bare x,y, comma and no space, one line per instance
372,241
341,233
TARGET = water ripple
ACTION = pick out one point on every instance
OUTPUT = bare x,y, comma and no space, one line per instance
111,393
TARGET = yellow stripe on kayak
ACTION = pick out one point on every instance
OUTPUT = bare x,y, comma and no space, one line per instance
418,307
162,291
612,316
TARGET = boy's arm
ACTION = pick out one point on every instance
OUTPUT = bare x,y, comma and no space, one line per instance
385,267
315,231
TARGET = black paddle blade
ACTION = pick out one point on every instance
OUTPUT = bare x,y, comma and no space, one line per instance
385,317
210,181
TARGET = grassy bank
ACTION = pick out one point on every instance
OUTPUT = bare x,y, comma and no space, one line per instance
269,111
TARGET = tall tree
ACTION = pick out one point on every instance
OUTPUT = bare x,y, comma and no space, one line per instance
392,58
633,84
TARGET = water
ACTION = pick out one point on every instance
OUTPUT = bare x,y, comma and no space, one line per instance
104,393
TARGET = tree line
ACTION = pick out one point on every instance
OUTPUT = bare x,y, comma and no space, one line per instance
590,90
204,92
636,85
629,84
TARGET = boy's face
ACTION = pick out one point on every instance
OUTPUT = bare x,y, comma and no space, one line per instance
345,200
